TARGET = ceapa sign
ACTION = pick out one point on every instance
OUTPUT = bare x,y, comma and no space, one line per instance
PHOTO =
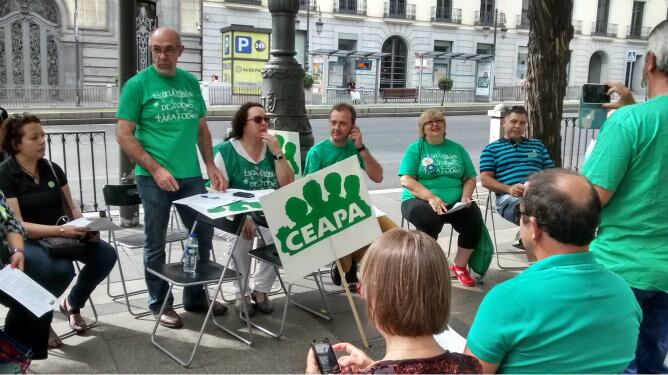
320,218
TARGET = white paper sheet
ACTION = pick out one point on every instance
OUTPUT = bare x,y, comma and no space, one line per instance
458,206
208,200
100,224
26,291
451,340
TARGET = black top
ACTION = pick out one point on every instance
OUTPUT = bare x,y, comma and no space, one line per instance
39,204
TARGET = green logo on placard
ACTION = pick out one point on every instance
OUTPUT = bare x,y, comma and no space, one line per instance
235,207
3,213
289,150
325,217
51,184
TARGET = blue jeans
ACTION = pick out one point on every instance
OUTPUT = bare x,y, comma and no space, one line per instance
653,338
157,205
505,206
55,274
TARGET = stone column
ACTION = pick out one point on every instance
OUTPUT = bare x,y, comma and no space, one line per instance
283,86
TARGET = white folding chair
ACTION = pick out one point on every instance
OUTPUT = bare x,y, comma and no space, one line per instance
490,207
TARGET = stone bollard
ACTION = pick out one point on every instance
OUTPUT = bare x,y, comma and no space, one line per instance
496,116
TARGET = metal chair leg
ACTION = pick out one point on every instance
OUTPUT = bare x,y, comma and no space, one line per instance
328,315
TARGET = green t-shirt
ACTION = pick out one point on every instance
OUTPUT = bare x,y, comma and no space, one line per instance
327,153
631,160
564,314
440,168
166,112
241,171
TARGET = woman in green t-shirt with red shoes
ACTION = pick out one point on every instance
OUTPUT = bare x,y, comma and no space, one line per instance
437,174
251,159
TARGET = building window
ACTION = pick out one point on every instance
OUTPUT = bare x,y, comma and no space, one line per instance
522,57
393,67
484,49
636,18
602,16
190,22
487,12
441,66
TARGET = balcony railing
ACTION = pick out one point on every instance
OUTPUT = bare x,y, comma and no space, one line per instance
637,32
604,29
357,7
304,5
487,19
446,14
245,2
577,27
399,10
523,21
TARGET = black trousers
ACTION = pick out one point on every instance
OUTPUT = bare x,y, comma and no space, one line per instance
26,328
467,221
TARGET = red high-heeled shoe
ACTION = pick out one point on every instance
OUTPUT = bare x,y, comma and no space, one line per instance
462,275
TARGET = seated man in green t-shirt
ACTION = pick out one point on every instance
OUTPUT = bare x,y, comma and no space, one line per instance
566,313
345,140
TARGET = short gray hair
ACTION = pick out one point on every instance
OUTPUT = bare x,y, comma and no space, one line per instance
166,29
658,44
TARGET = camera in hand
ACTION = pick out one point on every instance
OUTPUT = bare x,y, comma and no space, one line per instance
595,93
324,355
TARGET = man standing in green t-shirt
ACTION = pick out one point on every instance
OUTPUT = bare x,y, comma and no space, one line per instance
345,140
160,125
566,313
629,167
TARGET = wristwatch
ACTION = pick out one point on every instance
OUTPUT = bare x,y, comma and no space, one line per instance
362,148
279,156
17,250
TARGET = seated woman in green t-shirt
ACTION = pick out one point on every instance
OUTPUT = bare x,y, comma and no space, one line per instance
251,159
437,174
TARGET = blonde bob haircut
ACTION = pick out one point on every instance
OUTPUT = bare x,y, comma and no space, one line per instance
406,284
430,115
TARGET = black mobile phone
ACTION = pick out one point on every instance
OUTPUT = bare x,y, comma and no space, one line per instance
243,194
595,93
324,355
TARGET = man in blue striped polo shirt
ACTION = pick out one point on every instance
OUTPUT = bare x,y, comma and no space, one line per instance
506,164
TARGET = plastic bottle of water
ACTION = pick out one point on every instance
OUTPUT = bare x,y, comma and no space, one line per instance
191,255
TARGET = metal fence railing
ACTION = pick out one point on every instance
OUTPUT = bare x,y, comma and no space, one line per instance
83,155
574,142
59,97
518,93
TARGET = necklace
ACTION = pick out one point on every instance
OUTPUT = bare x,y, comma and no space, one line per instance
34,174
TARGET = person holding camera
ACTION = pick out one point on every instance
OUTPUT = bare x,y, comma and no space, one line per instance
402,263
251,159
38,193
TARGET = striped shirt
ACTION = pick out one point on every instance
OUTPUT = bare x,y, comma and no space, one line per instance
511,162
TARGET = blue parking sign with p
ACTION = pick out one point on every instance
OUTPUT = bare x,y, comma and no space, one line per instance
242,44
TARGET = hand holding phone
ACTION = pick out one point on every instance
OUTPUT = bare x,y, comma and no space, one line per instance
593,93
325,357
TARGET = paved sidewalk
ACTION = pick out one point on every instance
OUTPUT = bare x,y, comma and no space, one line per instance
121,344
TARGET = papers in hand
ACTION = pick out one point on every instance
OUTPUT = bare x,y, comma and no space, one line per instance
216,204
458,206
26,291
101,224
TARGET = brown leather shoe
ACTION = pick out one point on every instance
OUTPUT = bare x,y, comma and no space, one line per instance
170,319
218,308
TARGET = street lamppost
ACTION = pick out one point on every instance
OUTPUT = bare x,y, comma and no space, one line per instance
485,33
318,28
283,78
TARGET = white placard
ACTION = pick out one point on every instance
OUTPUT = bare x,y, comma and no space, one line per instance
289,142
227,205
320,218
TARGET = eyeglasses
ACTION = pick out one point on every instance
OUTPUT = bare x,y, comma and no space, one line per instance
434,122
259,119
519,213
168,51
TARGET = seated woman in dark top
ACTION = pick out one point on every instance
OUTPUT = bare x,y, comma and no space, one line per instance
406,285
35,189
20,323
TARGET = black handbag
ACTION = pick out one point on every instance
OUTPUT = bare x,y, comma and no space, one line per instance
63,247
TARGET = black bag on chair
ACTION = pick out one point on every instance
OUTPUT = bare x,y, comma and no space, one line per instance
63,247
